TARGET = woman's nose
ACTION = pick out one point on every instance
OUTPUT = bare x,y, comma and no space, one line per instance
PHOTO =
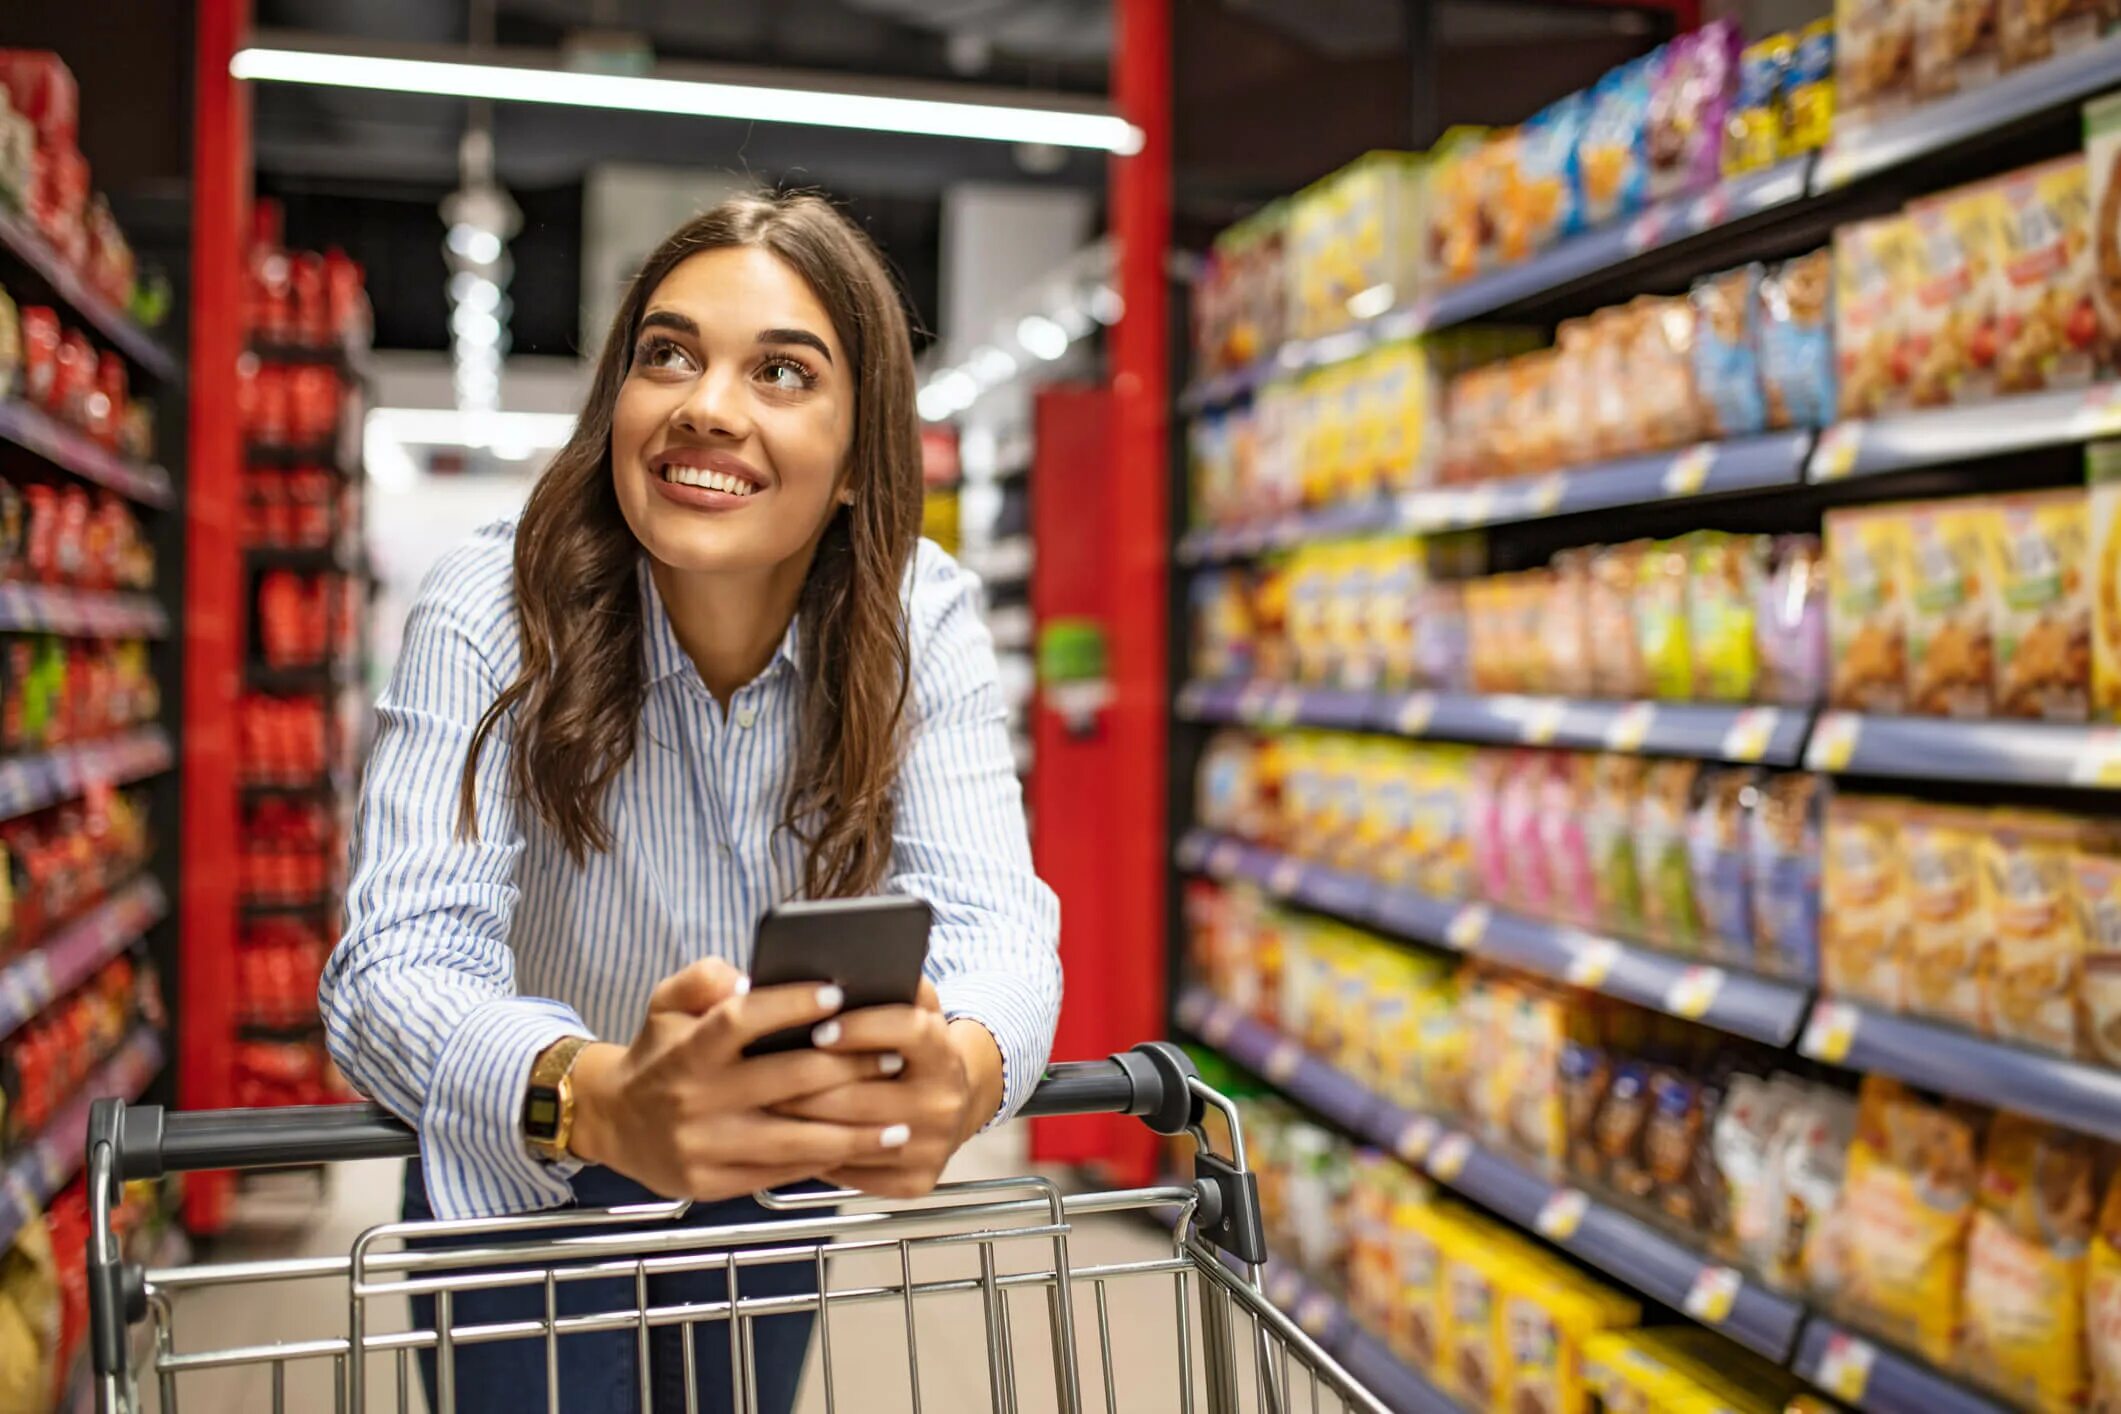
715,406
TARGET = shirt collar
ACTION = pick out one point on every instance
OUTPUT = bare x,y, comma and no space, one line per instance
666,656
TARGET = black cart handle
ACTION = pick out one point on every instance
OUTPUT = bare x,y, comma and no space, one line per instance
148,1141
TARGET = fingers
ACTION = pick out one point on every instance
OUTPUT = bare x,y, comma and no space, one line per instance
913,1032
700,988
737,1022
813,1148
927,998
771,1081
878,1102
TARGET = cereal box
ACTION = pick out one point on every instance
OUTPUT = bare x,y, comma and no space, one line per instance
1950,648
1874,57
1873,270
2104,464
2026,1260
1910,1190
2042,606
1469,1365
1951,959
1955,46
1863,911
1867,610
2097,876
2028,893
2046,330
1951,320
1548,1312
2032,30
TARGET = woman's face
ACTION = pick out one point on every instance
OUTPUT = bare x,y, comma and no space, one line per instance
735,416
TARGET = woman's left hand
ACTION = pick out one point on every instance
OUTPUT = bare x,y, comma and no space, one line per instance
950,1085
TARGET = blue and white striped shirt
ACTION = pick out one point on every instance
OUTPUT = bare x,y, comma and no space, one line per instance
463,960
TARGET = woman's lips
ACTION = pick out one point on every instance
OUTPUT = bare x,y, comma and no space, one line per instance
713,482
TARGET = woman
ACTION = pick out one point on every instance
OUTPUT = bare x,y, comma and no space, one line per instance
710,668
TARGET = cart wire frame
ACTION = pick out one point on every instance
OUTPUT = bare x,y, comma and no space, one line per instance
1244,1354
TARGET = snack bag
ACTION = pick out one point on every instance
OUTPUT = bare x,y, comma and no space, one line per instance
1676,1155
1622,1118
1565,626
1565,791
1718,833
2097,875
1661,621
1874,274
1743,1139
1784,842
1543,203
1421,1239
1874,57
2028,895
1726,351
1548,1311
2026,1260
1951,960
2032,30
1586,1070
1811,1231
1663,398
1790,623
1616,799
1955,46
1863,910
1617,666
2102,156
1951,318
2103,463
1613,160
1867,608
1909,1196
1524,862
1808,93
1468,1364
1797,367
1950,645
1670,916
2102,1303
2042,606
1688,108
2047,329
1723,595
1755,134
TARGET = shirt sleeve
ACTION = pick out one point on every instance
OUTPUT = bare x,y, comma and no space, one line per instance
418,999
960,841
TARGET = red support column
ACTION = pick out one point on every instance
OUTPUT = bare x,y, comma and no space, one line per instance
213,587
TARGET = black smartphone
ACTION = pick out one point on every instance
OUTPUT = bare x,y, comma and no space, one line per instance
870,948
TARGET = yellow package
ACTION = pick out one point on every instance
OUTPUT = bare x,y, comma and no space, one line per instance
1951,956
1809,92
1424,1235
1950,551
1350,651
1446,869
1399,576
1398,416
2028,893
2097,874
1870,288
2104,465
1548,1312
2025,1264
1951,319
1909,1193
1863,921
2102,1303
2048,326
1661,627
2042,606
1476,1266
1867,608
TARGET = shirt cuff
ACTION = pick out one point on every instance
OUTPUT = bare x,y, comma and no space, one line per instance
1022,1032
472,1150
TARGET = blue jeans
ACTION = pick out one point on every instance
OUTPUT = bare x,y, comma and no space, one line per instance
598,1372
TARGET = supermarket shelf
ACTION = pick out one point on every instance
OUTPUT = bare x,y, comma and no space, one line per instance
1771,736
1705,469
1935,128
32,429
1877,1378
29,783
1941,436
1727,999
43,608
17,235
71,956
49,1162
316,559
1941,749
1388,1377
352,362
290,907
1938,1057
1624,1248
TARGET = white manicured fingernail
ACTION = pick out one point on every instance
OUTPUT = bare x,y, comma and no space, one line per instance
743,984
825,1033
830,997
891,1062
895,1136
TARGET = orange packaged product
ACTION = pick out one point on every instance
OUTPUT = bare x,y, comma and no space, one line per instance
1662,390
1951,957
2033,30
1873,287
1609,362
1867,611
2029,895
1863,918
1874,58
1950,640
2027,1255
2042,605
1951,317
1955,46
1617,667
1573,400
2097,877
1565,625
2047,328
2102,1302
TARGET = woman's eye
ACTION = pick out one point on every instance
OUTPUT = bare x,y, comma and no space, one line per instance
786,375
661,353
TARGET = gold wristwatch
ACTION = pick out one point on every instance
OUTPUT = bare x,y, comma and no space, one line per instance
548,1104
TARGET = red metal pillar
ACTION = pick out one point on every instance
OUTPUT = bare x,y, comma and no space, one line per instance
213,586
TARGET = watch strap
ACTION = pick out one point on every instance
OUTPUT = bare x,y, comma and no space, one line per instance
548,1101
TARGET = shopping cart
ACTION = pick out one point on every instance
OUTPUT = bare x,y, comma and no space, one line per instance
1005,1242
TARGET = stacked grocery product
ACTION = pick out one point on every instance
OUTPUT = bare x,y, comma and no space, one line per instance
44,1288
62,861
51,365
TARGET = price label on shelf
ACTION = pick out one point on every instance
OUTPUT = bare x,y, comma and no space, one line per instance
1253,701
1751,733
1592,963
1845,1366
1221,1020
1647,230
1834,742
1831,1032
1314,1313
1414,1140
1477,507
1839,449
1415,713
1447,1160
1542,722
1547,493
2101,413
1468,927
1287,706
1562,1214
1224,857
2098,762
1281,1062
1631,728
1192,1007
1282,1287
1711,208
1713,1295
1693,992
1191,699
1689,471
1286,876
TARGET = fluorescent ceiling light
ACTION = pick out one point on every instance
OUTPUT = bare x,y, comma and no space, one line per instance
641,93
447,427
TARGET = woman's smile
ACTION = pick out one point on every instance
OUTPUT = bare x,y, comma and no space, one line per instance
706,480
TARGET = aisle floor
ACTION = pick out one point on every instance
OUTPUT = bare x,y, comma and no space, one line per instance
869,1343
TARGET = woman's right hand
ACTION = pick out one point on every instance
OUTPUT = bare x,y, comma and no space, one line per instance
684,1113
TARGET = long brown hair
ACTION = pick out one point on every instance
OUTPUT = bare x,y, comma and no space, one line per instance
576,706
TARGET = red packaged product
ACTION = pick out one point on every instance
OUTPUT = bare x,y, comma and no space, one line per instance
74,379
40,352
106,404
41,88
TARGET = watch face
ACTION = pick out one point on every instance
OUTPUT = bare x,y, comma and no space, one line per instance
541,1112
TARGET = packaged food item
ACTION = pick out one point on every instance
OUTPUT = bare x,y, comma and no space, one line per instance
1810,1230
1809,89
1664,400
1422,1234
1622,1118
1951,960
1661,621
1565,625
1547,1312
1617,665
1616,799
1789,623
2032,30
2102,158
1784,842
1610,345
1718,838
1723,595
1950,319
1796,333
1874,57
1950,644
2097,876
1726,351
1755,134
1955,46
1863,941
1670,915
1565,794
2103,463
1688,107
1613,159
2047,328
1543,202
2027,892
1743,1140
2026,1258
1910,1191
1469,1366
1867,614
2042,606
1677,1156
1874,273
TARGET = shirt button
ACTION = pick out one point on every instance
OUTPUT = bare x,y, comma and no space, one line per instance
745,716
724,849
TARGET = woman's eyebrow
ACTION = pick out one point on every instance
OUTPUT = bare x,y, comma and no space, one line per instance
795,336
669,319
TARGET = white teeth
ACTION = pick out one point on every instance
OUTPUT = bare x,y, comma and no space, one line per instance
708,480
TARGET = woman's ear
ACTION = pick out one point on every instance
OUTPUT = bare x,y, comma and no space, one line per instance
846,495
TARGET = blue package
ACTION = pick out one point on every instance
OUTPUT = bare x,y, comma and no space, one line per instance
1550,202
1796,340
1613,160
1717,852
1727,351
1784,835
